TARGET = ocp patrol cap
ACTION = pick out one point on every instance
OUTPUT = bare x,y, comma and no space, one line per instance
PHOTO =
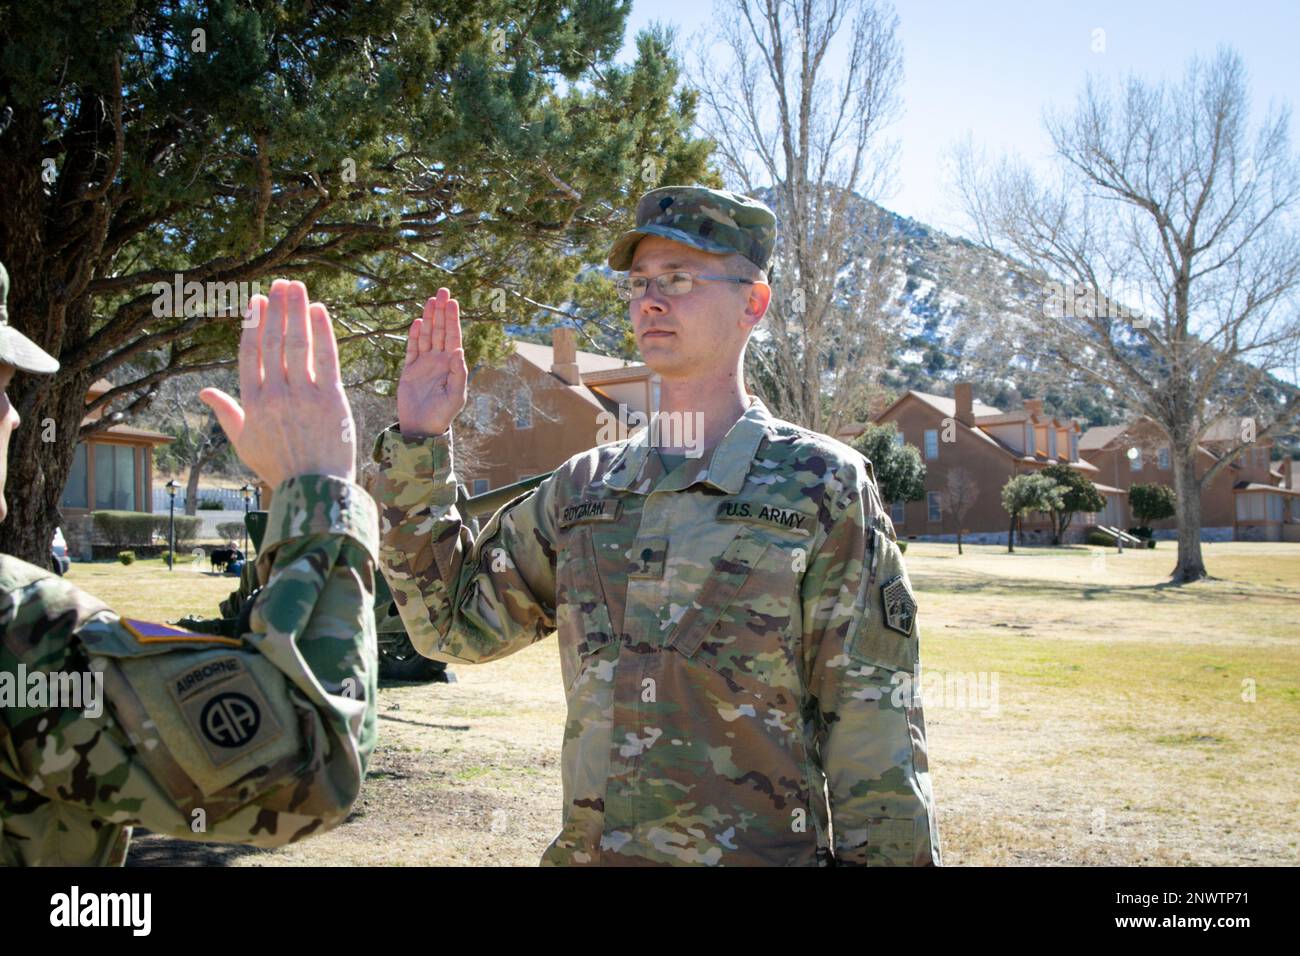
711,220
17,349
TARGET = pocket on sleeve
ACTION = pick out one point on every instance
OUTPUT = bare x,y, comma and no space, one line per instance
887,634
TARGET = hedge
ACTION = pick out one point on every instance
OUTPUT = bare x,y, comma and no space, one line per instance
122,528
187,528
231,529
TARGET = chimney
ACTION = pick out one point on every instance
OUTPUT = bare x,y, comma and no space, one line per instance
564,356
961,393
1034,406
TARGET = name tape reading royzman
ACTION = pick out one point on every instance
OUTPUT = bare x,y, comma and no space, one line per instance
589,509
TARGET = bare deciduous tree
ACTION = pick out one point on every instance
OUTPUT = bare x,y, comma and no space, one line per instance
780,121
960,489
1169,259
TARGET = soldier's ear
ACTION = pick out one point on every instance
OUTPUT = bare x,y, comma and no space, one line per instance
760,297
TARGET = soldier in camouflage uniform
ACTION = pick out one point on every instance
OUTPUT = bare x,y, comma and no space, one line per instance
737,631
261,738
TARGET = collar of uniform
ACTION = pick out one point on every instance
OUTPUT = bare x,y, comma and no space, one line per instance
637,470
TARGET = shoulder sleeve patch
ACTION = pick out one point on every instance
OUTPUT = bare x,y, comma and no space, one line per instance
220,715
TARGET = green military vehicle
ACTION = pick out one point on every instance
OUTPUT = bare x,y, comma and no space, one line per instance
398,658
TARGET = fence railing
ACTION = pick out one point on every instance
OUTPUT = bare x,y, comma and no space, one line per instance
230,499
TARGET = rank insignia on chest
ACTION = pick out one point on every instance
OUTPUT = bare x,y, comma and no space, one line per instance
899,605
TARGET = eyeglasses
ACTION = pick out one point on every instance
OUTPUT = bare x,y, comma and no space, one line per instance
668,283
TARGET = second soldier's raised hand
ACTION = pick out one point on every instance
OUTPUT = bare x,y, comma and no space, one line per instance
431,391
295,419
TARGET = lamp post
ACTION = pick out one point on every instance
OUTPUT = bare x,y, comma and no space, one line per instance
171,487
1131,455
248,496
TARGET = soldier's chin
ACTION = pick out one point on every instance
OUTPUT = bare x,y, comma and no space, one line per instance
663,362
4,506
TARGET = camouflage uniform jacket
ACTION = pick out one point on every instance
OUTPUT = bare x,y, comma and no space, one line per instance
737,638
261,740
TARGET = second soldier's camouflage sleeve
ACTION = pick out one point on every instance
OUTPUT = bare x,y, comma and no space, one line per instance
861,637
260,740
462,600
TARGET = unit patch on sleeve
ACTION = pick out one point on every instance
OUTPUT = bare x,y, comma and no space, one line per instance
224,708
900,606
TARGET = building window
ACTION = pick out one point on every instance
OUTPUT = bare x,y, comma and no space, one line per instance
523,411
1051,443
1162,458
1274,507
931,443
897,511
1029,438
898,438
932,506
1135,463
1253,507
1074,446
74,492
115,477
482,410
480,486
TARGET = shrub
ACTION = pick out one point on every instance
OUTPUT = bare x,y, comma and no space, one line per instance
1143,532
902,547
1098,537
231,529
120,528
126,557
1152,502
187,528
1151,542
211,504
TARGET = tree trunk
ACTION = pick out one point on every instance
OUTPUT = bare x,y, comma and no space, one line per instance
1011,536
50,407
192,486
1190,567
38,469
959,538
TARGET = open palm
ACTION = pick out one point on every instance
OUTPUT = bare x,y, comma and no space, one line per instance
431,391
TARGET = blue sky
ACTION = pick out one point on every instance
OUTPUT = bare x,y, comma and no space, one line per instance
991,66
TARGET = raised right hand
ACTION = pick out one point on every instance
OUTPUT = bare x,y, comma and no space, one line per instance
296,419
431,391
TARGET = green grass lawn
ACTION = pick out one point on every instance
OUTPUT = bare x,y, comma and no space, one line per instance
1133,722
148,589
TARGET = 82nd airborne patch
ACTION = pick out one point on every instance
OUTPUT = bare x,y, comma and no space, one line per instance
899,605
